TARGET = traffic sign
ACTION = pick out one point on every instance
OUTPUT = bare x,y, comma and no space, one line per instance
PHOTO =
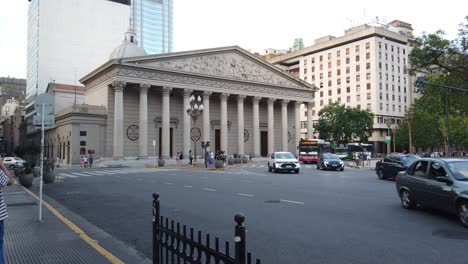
48,101
388,139
49,120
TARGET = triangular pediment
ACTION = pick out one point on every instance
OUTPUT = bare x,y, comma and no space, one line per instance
230,63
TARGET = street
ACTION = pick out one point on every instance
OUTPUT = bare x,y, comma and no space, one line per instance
312,217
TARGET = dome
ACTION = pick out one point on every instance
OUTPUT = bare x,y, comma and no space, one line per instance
128,48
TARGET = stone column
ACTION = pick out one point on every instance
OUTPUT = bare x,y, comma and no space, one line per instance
118,119
297,125
310,125
271,126
166,116
206,116
187,128
143,129
256,126
284,125
240,125
224,124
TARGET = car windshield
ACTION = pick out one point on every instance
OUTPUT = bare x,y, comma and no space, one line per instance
284,156
408,160
459,169
330,156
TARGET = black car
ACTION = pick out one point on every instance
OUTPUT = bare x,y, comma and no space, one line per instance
436,183
331,161
392,164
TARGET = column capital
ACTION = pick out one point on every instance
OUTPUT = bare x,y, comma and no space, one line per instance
207,94
224,96
297,103
187,92
241,97
166,90
271,100
284,102
144,87
119,85
256,99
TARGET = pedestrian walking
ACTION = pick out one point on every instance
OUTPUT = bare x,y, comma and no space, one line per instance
57,162
82,162
177,158
368,158
211,157
250,157
181,158
91,160
5,180
190,157
85,161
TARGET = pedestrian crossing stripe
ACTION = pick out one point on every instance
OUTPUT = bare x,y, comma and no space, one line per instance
102,173
66,175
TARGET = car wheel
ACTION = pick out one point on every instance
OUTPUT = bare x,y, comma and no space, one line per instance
318,167
463,213
274,168
269,167
296,171
406,200
342,169
380,174
11,167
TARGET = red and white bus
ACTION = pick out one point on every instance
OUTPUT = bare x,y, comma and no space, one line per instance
310,148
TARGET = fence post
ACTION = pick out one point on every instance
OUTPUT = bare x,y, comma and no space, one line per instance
156,245
239,239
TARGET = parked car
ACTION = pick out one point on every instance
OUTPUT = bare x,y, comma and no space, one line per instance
392,164
436,183
327,161
13,162
283,161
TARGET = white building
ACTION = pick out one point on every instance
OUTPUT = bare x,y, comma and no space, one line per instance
68,39
364,68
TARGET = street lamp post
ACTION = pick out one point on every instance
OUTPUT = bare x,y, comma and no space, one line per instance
409,117
194,110
394,130
388,122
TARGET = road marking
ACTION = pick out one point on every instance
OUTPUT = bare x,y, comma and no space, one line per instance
113,259
244,194
289,201
210,190
168,183
89,173
66,175
188,186
80,174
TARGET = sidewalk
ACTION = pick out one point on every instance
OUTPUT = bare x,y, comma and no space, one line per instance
56,239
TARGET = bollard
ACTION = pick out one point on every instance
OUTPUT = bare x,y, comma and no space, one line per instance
239,239
156,245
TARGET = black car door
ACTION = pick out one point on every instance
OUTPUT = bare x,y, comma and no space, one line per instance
437,194
395,167
386,166
416,180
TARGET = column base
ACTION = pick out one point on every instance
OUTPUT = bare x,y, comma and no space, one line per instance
142,157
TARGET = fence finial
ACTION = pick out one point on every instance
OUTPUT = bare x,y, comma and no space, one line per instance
156,196
239,218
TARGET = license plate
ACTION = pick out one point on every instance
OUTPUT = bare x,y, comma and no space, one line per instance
288,166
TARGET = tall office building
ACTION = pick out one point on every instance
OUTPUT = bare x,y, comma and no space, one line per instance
68,39
365,68
153,25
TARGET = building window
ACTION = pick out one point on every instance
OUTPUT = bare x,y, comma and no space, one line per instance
357,48
386,96
330,101
358,106
321,102
380,65
321,67
337,53
358,68
399,98
381,106
338,72
368,96
329,56
313,77
386,47
393,87
393,108
347,70
380,86
348,79
321,93
321,58
312,60
329,92
368,66
82,133
386,87
358,98
83,143
347,51
387,107
399,108
357,58
338,81
391,48
367,56
321,76
348,89
339,91
313,69
305,70
368,76
339,100
348,99
368,86
329,74
368,106
338,63
329,83
380,45
367,45
82,151
380,96
358,88
321,85
358,78
329,65
305,78
347,60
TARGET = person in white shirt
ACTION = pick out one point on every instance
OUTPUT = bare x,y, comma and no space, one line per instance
5,180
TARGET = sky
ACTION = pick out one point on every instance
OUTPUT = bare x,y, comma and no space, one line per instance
254,25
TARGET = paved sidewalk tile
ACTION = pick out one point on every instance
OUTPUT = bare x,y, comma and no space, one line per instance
51,241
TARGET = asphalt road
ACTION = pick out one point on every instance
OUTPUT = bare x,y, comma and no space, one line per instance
311,217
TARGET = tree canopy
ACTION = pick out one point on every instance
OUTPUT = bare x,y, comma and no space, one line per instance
341,124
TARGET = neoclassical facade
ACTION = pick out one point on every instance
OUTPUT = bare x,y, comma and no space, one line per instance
250,105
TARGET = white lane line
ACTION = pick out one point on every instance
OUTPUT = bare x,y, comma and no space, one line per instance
98,172
168,183
289,201
66,175
89,173
262,166
188,186
244,194
79,174
208,189
308,166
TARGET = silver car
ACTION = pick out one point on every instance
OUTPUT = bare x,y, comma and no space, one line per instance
283,161
13,162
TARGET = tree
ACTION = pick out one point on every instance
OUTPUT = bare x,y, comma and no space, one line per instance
341,124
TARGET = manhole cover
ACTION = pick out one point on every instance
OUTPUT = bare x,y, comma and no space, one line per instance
272,201
451,234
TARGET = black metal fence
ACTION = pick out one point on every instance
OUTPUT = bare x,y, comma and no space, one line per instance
175,245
